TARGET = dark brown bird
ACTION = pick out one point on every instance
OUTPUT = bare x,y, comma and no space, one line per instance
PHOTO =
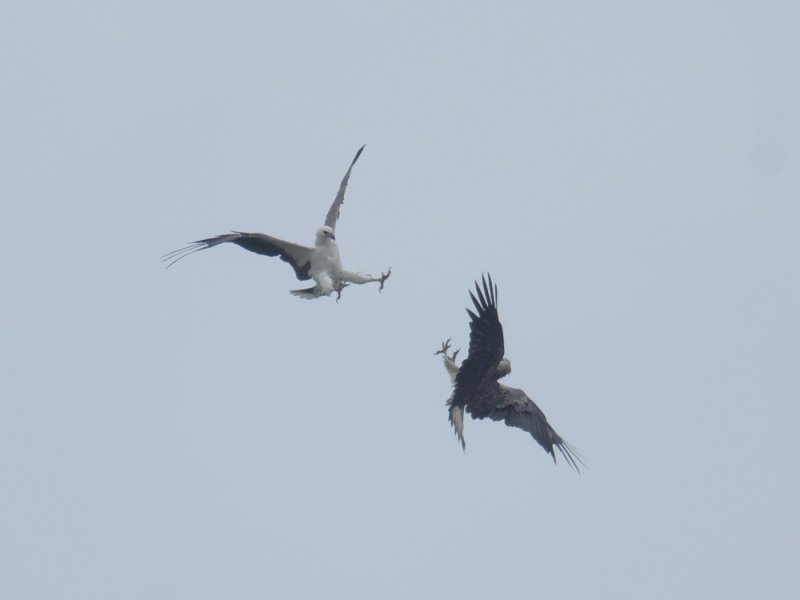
476,386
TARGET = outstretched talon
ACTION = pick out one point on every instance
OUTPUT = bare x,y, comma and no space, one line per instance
384,277
445,348
338,289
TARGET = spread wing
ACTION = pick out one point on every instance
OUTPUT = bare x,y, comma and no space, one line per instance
299,257
333,211
486,346
517,410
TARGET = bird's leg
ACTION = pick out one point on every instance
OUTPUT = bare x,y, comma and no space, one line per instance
361,278
384,277
338,287
449,360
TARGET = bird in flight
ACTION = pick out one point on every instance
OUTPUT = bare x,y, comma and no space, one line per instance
476,386
320,262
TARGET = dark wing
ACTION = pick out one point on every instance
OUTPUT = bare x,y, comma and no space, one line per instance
299,257
333,211
517,410
486,346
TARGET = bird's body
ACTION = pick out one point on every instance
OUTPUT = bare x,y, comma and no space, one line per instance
321,262
476,386
325,265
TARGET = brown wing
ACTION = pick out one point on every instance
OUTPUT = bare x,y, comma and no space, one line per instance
516,409
299,257
486,345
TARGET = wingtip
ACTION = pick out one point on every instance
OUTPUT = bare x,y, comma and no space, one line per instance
487,292
492,288
571,456
489,288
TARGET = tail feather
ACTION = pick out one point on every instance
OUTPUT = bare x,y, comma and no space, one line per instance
307,293
456,417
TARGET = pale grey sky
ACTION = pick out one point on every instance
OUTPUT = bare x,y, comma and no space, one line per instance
627,172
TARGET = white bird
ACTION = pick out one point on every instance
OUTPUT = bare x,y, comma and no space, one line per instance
320,263
476,387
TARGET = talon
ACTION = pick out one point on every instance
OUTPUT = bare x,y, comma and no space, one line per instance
338,289
445,348
384,277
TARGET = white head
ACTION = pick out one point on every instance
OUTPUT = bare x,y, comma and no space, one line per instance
503,368
324,234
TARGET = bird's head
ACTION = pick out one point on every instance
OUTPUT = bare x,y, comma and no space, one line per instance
324,234
503,367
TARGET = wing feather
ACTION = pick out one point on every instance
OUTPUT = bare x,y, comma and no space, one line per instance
516,409
333,211
299,257
486,345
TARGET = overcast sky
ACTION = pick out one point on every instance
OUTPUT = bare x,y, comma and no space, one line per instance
628,172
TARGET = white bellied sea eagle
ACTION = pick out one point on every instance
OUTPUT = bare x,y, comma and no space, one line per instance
320,262
477,390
